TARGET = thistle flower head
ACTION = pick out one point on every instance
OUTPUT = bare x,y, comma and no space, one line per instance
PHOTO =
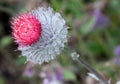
26,29
41,34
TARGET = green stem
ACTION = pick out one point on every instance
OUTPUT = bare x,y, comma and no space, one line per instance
92,70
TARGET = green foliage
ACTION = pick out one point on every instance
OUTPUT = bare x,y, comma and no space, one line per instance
21,60
6,40
87,27
69,75
2,80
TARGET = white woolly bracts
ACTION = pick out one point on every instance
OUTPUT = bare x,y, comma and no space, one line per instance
52,40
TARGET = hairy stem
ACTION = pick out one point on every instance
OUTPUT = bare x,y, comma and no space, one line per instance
79,59
92,70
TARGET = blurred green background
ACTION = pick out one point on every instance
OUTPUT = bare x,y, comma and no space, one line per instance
93,32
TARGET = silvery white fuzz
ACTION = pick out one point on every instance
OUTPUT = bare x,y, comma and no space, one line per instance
52,39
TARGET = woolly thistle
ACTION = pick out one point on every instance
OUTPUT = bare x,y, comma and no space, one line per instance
41,34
